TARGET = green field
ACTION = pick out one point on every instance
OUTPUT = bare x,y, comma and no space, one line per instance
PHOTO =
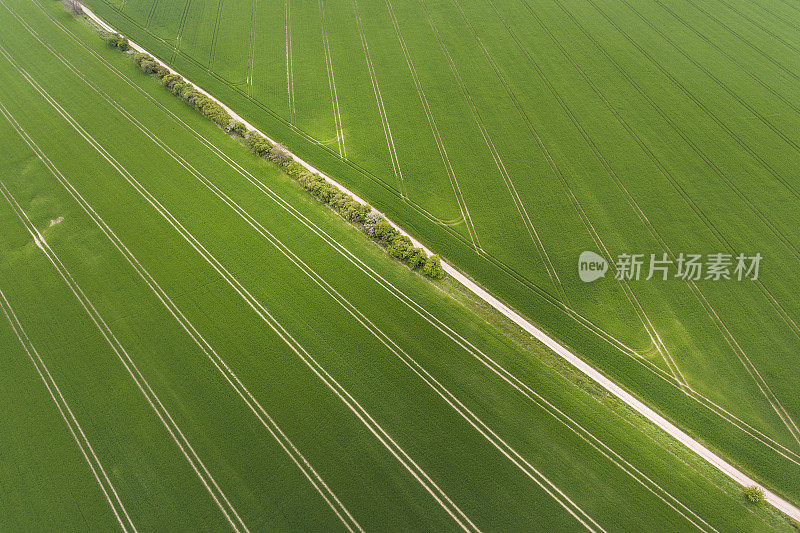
189,341
511,135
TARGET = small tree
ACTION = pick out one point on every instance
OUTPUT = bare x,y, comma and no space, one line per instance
160,71
753,494
148,65
182,89
117,40
239,129
370,219
433,267
138,57
416,258
170,80
384,231
400,247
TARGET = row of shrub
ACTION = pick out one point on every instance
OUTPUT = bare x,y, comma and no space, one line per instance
186,91
362,216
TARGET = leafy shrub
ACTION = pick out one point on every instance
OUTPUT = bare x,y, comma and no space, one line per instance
148,66
175,84
170,80
433,267
400,247
259,145
141,58
293,168
208,107
360,213
385,232
753,494
117,40
160,70
184,91
370,219
416,258
239,129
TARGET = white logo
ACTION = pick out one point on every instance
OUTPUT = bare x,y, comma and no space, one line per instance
591,266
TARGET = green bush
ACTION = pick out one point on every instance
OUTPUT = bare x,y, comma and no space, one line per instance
293,168
176,86
400,247
753,494
416,258
148,66
160,70
141,58
239,129
208,107
117,40
257,143
170,80
433,267
251,137
385,232
184,91
357,212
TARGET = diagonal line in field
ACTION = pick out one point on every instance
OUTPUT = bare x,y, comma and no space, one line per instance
741,354
778,38
181,26
775,14
746,42
289,67
162,413
376,89
266,420
462,205
658,343
337,117
520,205
215,35
789,4
743,358
407,359
745,68
459,407
420,475
776,305
151,13
66,413
252,51
478,424
646,321
201,138
718,171
694,394
344,251
521,210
